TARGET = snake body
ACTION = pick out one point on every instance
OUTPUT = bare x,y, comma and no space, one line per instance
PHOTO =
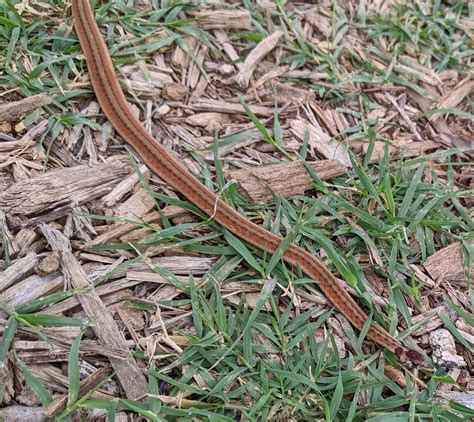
116,108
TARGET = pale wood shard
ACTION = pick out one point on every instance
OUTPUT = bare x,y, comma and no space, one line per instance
90,109
31,288
321,141
446,264
228,48
395,374
255,56
286,179
17,270
464,398
291,93
223,19
149,277
8,146
59,404
447,135
421,276
230,108
453,98
101,290
129,374
121,228
144,87
125,186
50,376
306,74
18,413
14,111
246,138
399,148
138,273
211,120
181,58
178,265
194,71
433,322
137,205
41,352
405,117
66,187
466,331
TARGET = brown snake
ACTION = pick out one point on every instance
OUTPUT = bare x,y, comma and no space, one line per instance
115,106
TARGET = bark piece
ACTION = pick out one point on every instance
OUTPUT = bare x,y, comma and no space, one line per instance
446,264
37,352
136,206
466,399
12,112
124,187
227,107
23,241
70,186
58,405
255,56
18,413
227,46
286,179
174,91
395,374
17,270
15,145
321,141
400,148
223,19
433,323
31,288
102,290
129,374
453,98
447,134
119,229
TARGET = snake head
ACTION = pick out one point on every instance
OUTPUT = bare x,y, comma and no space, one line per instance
409,357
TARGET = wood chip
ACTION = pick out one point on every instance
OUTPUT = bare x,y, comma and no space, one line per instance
70,186
222,19
14,111
129,374
121,228
16,413
32,288
59,404
453,98
446,264
17,270
255,56
286,179
321,141
400,148
226,107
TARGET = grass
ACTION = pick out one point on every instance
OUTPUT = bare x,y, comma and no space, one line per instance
260,360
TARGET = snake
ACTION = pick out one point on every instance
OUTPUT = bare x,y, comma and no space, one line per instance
118,111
